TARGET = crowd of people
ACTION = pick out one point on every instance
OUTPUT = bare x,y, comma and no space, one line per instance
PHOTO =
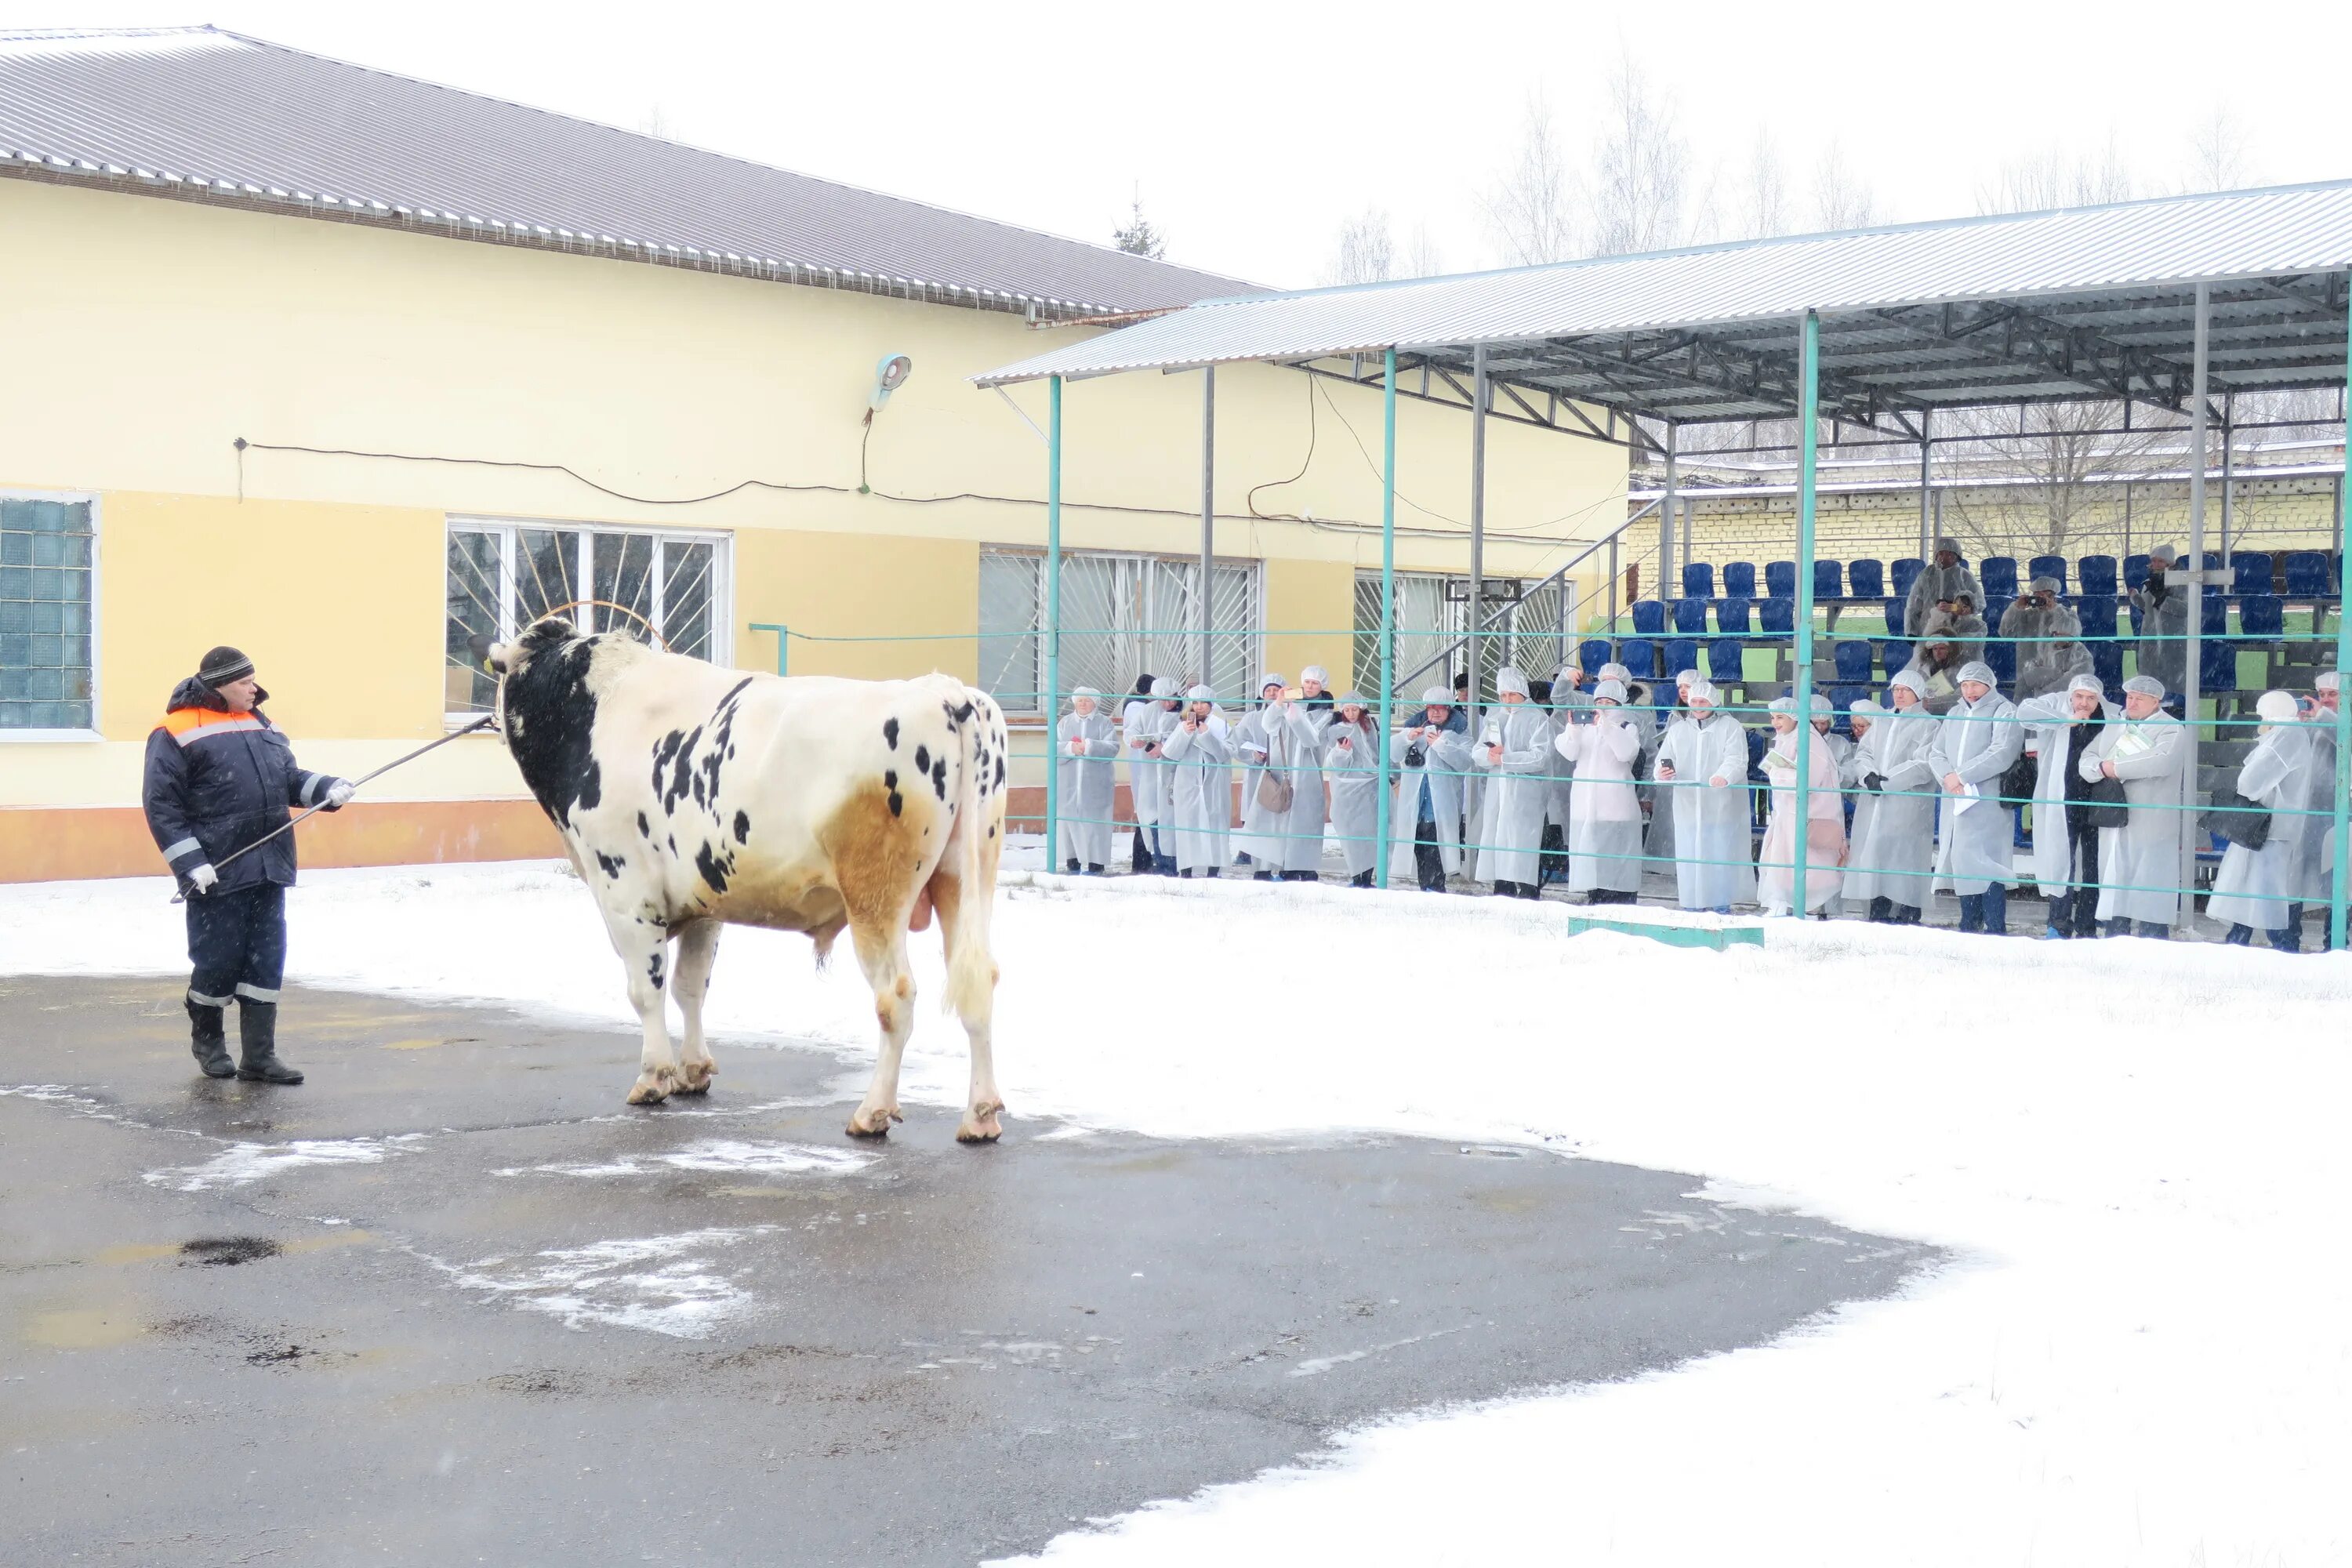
1582,781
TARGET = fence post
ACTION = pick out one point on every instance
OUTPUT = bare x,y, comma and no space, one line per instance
2343,888
1388,612
783,636
1809,405
1052,703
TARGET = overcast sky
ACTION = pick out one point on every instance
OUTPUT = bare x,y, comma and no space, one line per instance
1253,130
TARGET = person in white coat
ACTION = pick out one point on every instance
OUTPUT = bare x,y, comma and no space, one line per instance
1513,753
1824,818
1975,741
1569,704
1281,749
1702,766
1894,852
1431,758
1862,713
1604,830
1147,727
1086,760
1351,760
2060,726
2140,861
2261,889
2319,841
1199,753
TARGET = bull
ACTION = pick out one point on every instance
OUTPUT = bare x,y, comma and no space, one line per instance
691,797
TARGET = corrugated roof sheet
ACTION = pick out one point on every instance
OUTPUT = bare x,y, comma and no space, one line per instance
2065,257
205,112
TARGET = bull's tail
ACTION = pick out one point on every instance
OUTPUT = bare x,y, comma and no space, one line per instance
971,855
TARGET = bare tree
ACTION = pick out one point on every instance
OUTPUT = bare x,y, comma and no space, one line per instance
1421,256
1531,209
1841,197
1642,178
1137,237
1764,205
2056,178
2219,158
1364,251
2056,465
656,121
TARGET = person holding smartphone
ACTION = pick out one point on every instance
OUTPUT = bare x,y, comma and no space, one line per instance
1351,760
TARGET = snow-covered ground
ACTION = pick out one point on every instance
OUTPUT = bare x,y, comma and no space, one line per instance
2142,1354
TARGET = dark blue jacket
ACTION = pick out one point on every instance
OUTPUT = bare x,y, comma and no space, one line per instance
217,781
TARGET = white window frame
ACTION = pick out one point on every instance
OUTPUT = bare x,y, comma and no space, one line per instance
507,530
96,526
1254,645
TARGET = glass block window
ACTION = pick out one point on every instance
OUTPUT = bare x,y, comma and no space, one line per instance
1121,615
48,582
502,576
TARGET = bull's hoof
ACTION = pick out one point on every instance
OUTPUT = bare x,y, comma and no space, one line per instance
874,1123
651,1088
980,1125
695,1078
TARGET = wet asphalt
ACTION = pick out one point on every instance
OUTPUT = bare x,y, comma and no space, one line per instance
451,1302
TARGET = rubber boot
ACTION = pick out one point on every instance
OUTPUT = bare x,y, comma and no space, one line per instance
209,1041
1882,911
256,1029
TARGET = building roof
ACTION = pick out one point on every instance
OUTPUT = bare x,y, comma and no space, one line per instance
212,115
2084,302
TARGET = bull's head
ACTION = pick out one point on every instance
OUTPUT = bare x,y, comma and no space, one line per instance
508,658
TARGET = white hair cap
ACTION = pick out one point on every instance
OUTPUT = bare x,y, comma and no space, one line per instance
1164,685
1316,672
1912,682
1784,705
1507,679
2086,683
1270,678
1610,691
1864,708
1202,694
1821,705
1615,671
2276,708
2326,682
2143,686
1437,697
1084,691
1703,691
1977,670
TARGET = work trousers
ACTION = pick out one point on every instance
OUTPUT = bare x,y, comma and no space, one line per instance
2075,913
237,945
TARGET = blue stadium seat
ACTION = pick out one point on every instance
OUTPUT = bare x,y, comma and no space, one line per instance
1999,575
1698,580
2217,667
1757,738
1779,579
2135,573
1906,572
1649,619
2002,657
1828,580
1867,579
1894,617
2306,574
1777,618
1681,654
2261,617
2135,615
1992,609
1726,658
1853,657
1690,616
1640,656
1898,653
1731,615
2250,573
1591,654
1739,579
2215,621
2213,562
2097,574
2097,614
2107,663
2048,566
1841,701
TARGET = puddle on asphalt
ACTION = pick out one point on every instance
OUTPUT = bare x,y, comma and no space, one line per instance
85,1327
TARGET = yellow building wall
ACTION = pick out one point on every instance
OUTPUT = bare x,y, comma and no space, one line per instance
164,330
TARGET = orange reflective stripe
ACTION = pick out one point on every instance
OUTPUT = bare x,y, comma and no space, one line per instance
187,725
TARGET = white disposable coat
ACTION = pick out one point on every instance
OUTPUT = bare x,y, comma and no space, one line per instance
2139,863
1604,829
2319,840
2254,886
1511,818
1087,786
2048,655
1200,794
1147,727
1282,741
2049,720
1977,741
1894,851
1776,864
1446,758
1714,864
1354,770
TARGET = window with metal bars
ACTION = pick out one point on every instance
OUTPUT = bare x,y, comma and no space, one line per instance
1526,627
1122,615
48,594
660,583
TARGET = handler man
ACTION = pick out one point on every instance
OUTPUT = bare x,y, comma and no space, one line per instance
220,775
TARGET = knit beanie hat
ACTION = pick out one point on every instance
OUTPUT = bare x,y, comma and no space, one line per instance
221,665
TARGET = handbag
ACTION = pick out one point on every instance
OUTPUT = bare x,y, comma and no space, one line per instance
2236,818
1275,790
2017,781
2109,807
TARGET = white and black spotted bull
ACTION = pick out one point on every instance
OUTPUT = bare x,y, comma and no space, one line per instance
692,797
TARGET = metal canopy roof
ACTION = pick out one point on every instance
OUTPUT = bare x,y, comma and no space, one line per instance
209,115
2080,303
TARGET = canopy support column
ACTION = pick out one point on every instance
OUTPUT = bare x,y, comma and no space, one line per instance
1479,393
1208,606
1667,517
2342,893
1808,394
1387,613
2192,693
1927,480
1052,705
2229,466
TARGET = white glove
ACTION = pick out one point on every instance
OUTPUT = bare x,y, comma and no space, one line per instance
204,878
338,794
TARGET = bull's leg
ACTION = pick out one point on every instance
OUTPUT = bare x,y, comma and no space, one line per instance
643,948
882,953
976,1011
689,982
